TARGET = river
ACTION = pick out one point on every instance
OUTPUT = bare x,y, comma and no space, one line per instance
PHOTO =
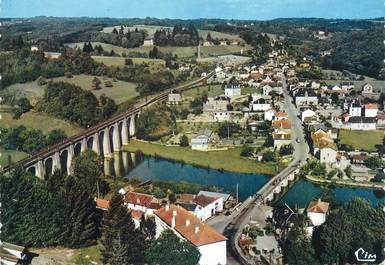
300,194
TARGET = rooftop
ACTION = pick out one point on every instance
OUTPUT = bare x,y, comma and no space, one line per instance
318,207
189,226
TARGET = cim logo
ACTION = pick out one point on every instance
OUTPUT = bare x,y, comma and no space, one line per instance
364,256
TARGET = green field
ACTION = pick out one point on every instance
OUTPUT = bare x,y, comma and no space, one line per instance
211,90
120,92
119,61
361,140
39,121
181,52
15,156
151,31
229,160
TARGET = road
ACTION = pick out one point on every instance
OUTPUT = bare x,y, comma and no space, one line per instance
232,225
301,149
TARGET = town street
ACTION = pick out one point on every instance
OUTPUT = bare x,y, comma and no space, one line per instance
252,210
301,148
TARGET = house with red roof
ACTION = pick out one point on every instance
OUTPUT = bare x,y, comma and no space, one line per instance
202,206
210,243
141,202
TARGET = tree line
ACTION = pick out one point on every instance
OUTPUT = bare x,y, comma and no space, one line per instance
179,36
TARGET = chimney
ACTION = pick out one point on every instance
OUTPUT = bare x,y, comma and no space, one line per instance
187,222
173,219
197,229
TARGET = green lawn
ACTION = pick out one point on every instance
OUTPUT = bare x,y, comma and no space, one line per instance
15,156
229,160
40,121
120,92
181,52
362,140
211,90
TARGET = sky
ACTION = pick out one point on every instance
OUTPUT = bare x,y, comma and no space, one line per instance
186,9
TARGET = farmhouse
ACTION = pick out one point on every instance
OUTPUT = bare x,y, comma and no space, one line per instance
184,224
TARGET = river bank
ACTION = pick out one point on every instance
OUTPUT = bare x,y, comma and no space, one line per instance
346,183
224,160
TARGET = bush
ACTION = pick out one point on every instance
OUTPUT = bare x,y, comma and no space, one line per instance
183,141
246,151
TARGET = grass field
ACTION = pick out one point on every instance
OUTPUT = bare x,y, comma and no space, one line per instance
15,156
361,140
181,52
119,61
39,121
120,92
151,31
211,90
229,160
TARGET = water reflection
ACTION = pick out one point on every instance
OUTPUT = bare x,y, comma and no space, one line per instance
130,165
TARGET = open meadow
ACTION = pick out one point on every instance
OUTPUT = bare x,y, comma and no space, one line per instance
361,140
120,91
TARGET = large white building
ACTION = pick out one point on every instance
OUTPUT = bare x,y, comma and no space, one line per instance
260,105
233,90
202,140
370,110
317,211
210,243
355,109
328,155
306,98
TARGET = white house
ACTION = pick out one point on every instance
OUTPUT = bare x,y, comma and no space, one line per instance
174,98
148,42
328,155
260,105
141,202
306,98
346,86
361,123
281,138
221,116
268,115
367,89
210,243
207,206
355,109
233,90
202,140
370,110
317,211
308,114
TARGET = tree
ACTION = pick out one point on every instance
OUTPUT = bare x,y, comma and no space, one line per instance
23,106
299,249
88,171
122,243
227,129
373,162
96,83
148,227
83,226
247,151
269,156
56,136
183,141
128,61
170,249
286,149
348,171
